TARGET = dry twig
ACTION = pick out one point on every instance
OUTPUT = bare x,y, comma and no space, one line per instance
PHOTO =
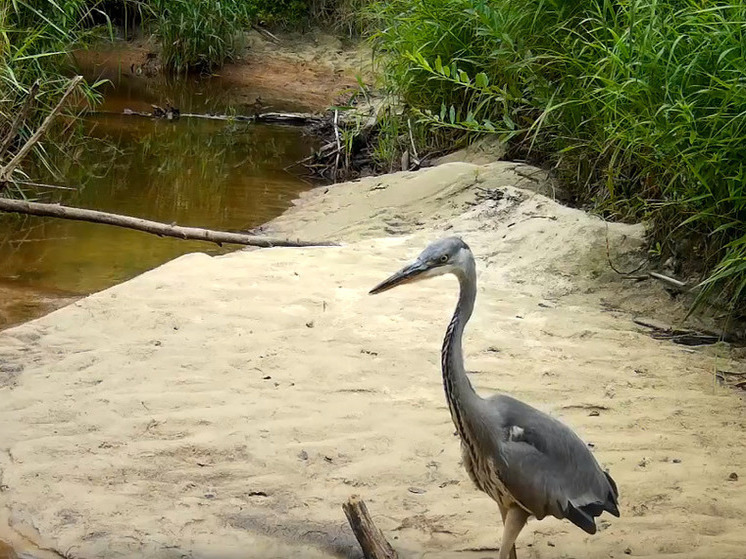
416,158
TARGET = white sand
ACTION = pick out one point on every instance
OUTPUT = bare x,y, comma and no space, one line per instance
226,407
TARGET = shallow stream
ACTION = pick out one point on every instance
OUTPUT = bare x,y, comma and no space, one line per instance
204,173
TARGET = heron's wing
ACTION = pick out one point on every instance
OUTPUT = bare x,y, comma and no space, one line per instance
547,468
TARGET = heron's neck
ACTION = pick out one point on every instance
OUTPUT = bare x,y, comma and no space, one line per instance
459,391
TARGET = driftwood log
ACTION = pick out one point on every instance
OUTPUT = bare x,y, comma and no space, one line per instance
370,538
148,226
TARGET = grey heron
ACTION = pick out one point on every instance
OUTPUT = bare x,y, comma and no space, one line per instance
530,463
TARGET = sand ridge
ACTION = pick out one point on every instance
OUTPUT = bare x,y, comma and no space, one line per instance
222,407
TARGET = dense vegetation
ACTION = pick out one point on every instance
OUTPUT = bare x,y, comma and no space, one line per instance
640,105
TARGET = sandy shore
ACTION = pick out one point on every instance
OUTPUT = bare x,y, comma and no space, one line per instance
226,407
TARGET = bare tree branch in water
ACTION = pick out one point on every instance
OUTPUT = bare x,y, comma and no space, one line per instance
148,226
8,169
17,123
128,222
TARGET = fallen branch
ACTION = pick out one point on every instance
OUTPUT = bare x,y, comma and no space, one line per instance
296,119
19,118
13,163
370,538
323,152
291,119
148,226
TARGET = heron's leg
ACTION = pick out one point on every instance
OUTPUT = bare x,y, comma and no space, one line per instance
515,520
503,512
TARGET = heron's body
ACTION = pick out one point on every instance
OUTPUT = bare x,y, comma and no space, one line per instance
530,463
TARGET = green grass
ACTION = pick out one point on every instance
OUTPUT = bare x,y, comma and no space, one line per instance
639,105
204,35
34,40
199,35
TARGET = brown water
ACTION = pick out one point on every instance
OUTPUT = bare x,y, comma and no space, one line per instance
197,172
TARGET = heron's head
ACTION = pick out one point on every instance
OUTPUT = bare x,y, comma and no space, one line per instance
445,256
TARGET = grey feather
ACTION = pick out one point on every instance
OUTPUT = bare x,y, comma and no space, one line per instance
544,465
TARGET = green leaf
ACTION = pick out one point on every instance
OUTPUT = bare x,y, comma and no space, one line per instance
482,80
508,122
452,114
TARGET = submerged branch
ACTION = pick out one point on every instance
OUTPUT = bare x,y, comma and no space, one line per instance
148,226
44,185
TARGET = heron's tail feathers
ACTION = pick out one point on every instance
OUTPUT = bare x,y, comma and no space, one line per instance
584,515
612,502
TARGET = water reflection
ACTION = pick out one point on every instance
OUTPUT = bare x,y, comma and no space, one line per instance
191,171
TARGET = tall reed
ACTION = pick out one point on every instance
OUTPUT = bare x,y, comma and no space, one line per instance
640,105
35,38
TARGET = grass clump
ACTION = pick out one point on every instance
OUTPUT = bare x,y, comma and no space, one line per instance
640,105
200,35
204,35
35,38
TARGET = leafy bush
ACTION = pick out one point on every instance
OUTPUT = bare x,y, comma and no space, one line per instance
640,105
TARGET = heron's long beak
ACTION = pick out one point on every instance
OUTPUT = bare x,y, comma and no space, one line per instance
405,275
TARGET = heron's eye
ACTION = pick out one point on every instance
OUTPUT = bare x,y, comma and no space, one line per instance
444,259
